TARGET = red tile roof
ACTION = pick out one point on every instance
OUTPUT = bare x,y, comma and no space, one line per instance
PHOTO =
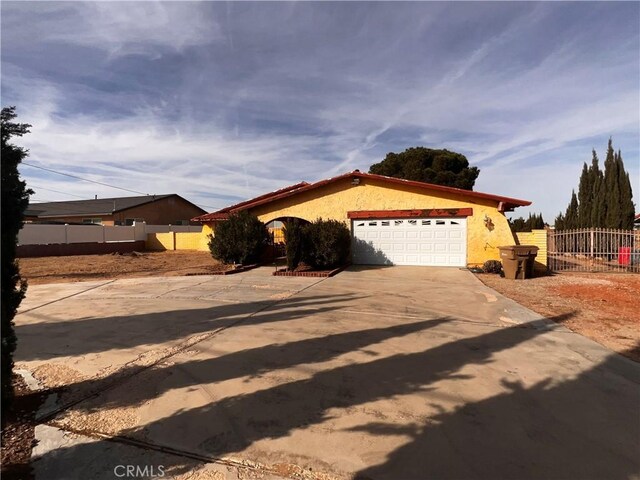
507,202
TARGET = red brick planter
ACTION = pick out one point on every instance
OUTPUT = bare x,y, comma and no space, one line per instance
310,273
240,269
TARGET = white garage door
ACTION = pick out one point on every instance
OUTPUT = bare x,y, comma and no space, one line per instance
415,241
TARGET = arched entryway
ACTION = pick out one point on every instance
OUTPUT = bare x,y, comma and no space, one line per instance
276,231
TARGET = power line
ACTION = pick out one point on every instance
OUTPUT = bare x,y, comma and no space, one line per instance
56,191
92,181
83,179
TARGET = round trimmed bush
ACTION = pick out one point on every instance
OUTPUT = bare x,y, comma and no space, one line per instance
327,244
239,240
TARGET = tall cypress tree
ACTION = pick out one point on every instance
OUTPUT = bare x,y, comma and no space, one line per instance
612,189
15,198
571,215
627,209
598,206
585,197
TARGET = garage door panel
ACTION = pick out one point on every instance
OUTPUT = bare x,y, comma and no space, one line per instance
438,242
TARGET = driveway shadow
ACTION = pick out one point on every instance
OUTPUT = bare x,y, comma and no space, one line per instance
559,428
49,339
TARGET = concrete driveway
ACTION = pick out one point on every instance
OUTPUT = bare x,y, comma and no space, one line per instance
389,373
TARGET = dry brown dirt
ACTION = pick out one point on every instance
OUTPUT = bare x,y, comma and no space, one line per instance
604,306
77,268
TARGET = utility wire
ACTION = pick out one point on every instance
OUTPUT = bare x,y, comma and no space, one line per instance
84,179
56,191
92,181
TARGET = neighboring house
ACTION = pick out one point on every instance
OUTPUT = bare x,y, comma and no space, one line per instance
168,209
393,221
636,222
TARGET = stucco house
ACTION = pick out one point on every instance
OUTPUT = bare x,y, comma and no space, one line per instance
393,221
170,209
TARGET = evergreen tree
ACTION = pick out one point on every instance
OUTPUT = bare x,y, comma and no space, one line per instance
15,198
518,224
605,200
559,223
612,189
627,208
585,197
440,167
598,206
536,221
571,215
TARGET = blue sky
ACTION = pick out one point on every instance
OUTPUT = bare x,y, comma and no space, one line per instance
220,102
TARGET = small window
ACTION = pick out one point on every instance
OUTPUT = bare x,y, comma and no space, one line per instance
92,221
440,222
373,224
361,224
453,222
413,222
385,223
426,222
398,222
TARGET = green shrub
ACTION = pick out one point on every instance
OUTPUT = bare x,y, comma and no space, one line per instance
492,266
327,244
15,198
241,239
294,242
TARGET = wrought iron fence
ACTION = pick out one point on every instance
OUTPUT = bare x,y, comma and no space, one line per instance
594,250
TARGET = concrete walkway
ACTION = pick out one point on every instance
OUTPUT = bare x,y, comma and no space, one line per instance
395,372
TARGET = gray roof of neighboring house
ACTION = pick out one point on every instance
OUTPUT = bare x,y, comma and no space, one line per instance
99,206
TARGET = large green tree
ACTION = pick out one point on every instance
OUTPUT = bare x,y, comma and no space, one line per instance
15,198
441,167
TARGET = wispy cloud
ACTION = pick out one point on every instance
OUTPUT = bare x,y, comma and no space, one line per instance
225,101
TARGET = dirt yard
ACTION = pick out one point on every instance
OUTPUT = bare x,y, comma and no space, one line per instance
78,268
605,305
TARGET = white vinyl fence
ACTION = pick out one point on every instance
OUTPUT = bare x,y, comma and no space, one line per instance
38,234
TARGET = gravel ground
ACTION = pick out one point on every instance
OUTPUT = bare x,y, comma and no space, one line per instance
77,268
18,432
605,305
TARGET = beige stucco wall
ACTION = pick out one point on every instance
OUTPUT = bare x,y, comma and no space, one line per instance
333,201
177,241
